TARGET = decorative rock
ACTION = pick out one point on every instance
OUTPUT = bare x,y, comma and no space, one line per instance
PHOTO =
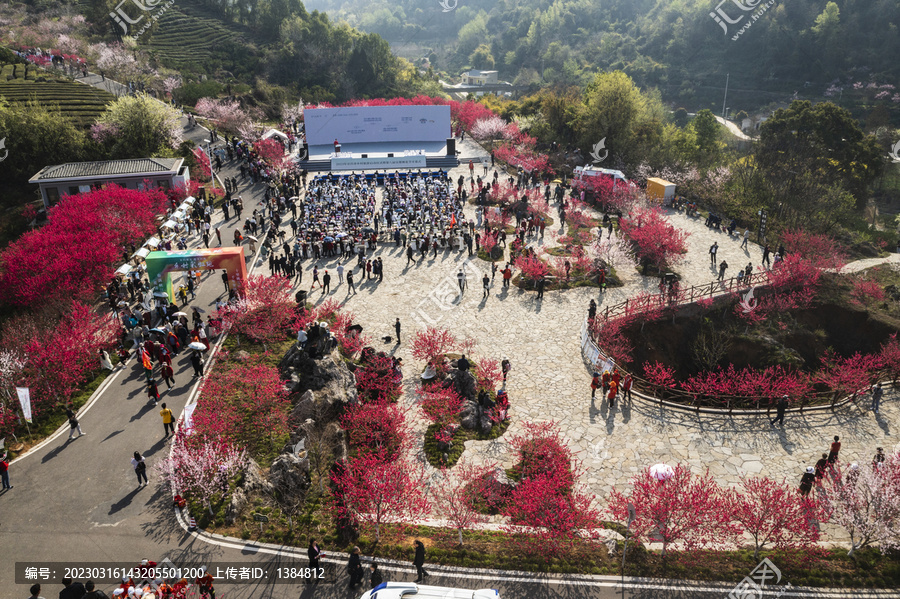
289,475
470,416
253,478
465,384
235,506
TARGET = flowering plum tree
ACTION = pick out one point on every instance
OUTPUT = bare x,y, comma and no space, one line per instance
685,509
432,344
653,239
377,427
201,469
264,312
371,491
866,503
78,249
773,513
456,495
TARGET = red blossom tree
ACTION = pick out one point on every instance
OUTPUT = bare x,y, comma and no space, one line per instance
456,496
653,238
60,353
371,491
821,250
890,357
848,376
378,428
686,509
271,151
264,312
376,382
774,513
432,344
79,248
660,375
532,267
866,292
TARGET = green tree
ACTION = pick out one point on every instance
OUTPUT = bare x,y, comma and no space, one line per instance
828,23
823,141
482,58
37,136
145,127
708,137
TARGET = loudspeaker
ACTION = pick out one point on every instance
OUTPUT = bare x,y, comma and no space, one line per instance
365,156
390,155
451,146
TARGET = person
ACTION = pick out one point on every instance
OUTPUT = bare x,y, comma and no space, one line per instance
140,467
627,382
821,465
375,578
168,374
419,561
314,554
877,394
461,277
197,363
355,569
833,452
781,407
505,367
712,252
463,364
486,283
592,310
35,591
4,471
205,584
326,283
168,420
540,288
225,280
722,268
72,590
105,362
806,481
92,591
153,392
73,423
746,238
595,384
878,460
350,286
302,338
340,271
765,256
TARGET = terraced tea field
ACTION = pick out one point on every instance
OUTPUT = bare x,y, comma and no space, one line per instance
186,40
20,83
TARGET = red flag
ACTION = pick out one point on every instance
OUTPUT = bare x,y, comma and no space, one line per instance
453,220
145,358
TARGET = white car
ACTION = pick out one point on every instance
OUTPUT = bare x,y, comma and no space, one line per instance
410,590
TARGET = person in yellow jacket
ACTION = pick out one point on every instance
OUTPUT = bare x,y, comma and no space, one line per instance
168,420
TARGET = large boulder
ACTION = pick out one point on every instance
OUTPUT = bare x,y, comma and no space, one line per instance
470,415
289,475
465,384
332,384
235,506
253,478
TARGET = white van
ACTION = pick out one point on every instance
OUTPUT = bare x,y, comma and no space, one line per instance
411,590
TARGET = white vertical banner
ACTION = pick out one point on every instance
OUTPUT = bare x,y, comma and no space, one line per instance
25,399
188,424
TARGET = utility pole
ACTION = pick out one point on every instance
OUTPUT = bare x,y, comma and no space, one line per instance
725,99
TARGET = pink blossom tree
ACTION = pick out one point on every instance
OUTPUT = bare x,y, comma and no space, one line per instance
866,503
264,312
226,114
774,513
455,496
432,344
201,469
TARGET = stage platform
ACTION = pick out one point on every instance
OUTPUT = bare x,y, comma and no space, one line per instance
387,156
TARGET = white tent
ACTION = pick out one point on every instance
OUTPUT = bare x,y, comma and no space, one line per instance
141,253
274,133
124,269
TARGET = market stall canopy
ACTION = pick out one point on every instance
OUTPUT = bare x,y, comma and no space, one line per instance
124,269
274,133
152,242
141,253
170,224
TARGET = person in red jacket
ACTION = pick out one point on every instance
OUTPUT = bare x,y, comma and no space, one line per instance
595,383
205,583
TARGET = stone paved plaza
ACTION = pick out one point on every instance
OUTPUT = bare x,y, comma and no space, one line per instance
550,381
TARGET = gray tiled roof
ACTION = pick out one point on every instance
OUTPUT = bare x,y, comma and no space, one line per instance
108,168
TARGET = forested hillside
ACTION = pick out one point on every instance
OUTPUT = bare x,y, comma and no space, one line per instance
803,45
